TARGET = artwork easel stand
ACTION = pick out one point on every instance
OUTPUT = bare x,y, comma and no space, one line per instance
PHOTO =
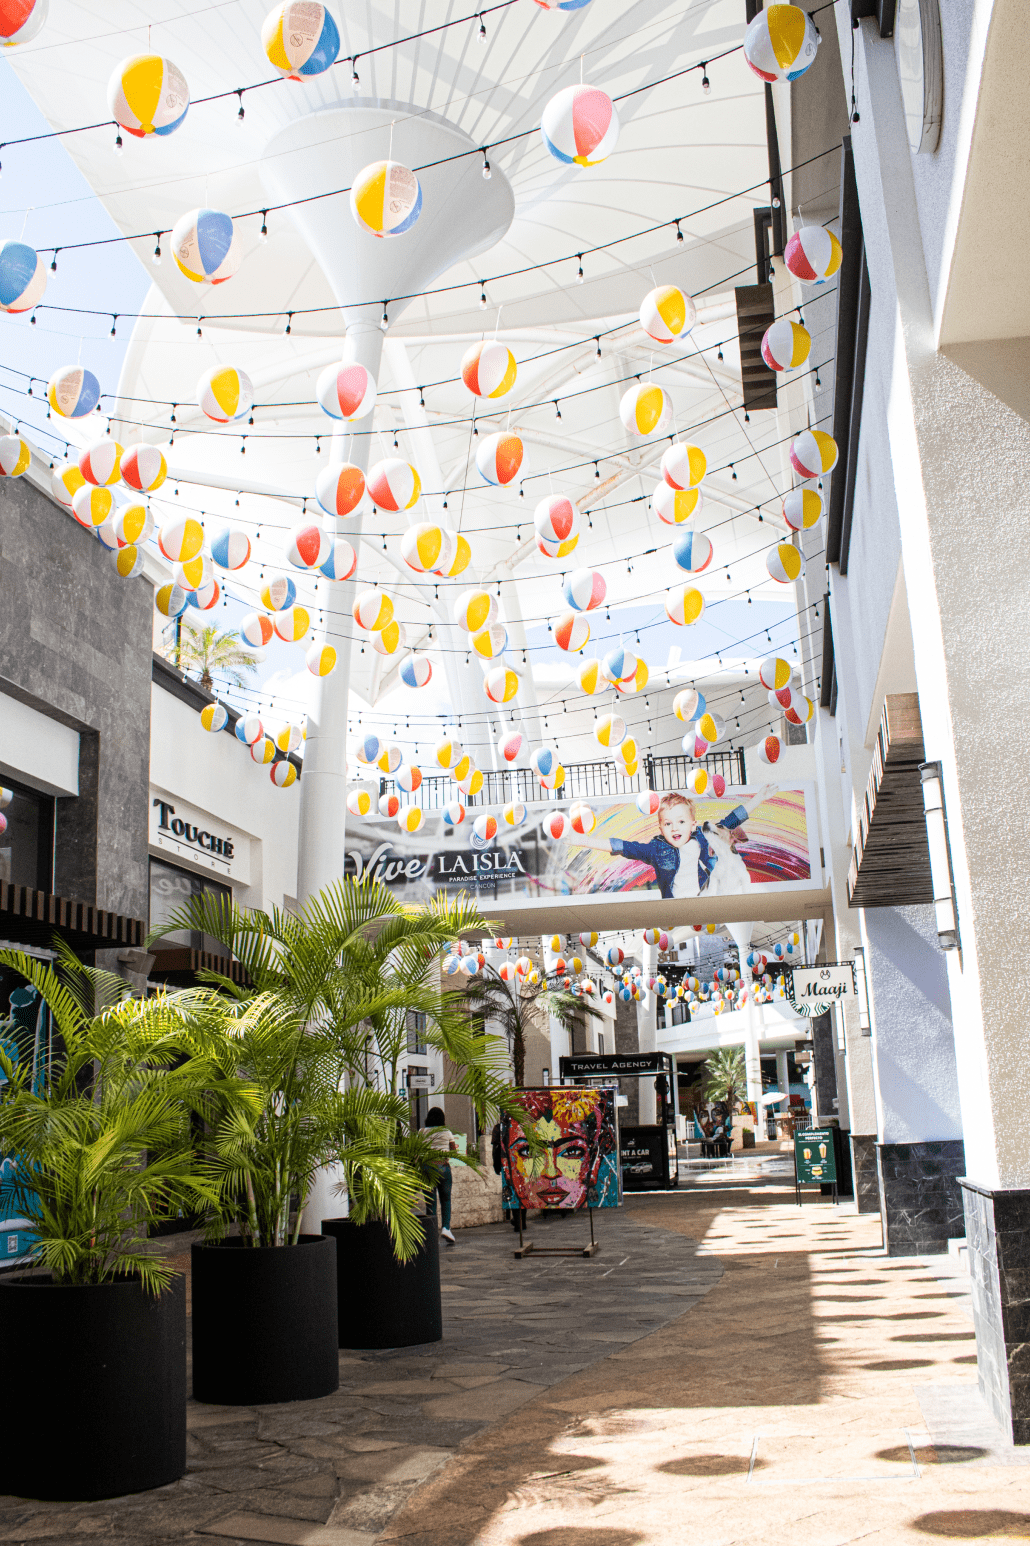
528,1248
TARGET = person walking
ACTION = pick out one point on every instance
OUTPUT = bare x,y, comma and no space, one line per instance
442,1139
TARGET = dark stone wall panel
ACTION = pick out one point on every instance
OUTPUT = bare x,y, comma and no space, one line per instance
920,1198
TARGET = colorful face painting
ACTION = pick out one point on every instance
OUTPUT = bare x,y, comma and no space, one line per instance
572,1161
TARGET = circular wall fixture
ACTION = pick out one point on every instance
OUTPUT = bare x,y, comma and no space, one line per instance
920,55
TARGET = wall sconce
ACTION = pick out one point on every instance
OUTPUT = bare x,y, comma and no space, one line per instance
862,990
941,874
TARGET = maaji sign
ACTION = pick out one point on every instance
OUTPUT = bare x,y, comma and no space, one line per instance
815,988
690,848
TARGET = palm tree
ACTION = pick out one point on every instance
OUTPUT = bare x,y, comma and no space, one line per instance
725,1077
208,651
511,1003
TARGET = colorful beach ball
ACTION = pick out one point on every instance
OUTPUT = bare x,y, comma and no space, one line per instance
91,506
292,624
426,547
205,246
667,313
800,711
388,640
15,456
340,488
409,778
289,739
676,506
802,508
341,561
65,482
389,759
148,95
813,254
22,271
785,562
589,939
513,815
21,20
484,830
635,683
683,466
555,519
490,642
584,589
684,606
386,198
619,664
411,818
206,597
368,748
580,126
581,818
359,802
510,745
786,345
474,609
692,551
230,547
416,671
101,463
590,676
214,716
571,632
499,458
646,409
170,601
300,38
647,803
256,630
283,773
489,370
688,705
556,826
710,727
225,393
472,782
263,751
129,561
544,760
194,573
813,453
249,729
278,593
107,532
448,752
501,684
389,805
453,814
769,750
610,730
346,391
73,391
774,673
781,42
372,609
143,468
558,549
393,484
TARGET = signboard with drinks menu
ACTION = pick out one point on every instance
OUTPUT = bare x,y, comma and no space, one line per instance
815,1159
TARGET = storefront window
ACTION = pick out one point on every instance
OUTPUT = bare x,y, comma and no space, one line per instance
172,888
26,846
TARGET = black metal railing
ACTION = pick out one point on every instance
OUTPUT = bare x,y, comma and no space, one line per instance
583,781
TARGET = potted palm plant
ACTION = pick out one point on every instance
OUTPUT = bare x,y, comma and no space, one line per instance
96,1147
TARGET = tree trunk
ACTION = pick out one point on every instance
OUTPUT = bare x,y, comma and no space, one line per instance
206,680
518,1054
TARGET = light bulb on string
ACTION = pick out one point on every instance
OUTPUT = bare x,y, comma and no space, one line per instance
156,259
263,233
487,174
117,147
241,114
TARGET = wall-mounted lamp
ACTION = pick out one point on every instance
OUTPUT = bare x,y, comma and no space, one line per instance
862,990
941,874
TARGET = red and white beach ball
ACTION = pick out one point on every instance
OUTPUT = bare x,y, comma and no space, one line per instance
555,519
340,488
667,313
769,750
580,126
499,458
582,818
484,829
21,20
571,632
510,745
647,803
786,345
393,484
346,391
646,409
556,826
813,254
101,463
489,369
389,805
409,778
309,547
143,468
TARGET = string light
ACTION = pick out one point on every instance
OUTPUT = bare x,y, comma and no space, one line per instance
487,174
156,259
263,233
241,114
117,145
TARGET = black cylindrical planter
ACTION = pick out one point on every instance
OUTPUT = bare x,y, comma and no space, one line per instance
384,1302
264,1322
97,1383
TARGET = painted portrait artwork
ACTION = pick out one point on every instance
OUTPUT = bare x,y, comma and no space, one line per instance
572,1160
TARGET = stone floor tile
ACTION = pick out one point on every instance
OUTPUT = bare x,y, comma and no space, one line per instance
285,1532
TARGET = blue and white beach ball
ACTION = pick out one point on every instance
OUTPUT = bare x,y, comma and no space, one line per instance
22,276
205,247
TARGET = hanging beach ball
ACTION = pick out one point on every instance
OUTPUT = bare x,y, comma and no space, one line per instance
474,610
453,814
214,716
409,778
692,551
513,815
800,711
499,458
283,773
386,198
626,752
388,640
278,593
289,739
143,468
205,247
225,393
134,524
73,391
107,532
786,345
646,409
230,548
416,671
65,482
785,562
802,508
490,642
489,370
389,805
774,673
292,624
340,488
582,818
556,826
300,38
389,759
263,751
590,677
510,745
675,506
310,546
769,750
170,601
372,609
484,830
340,562
129,561
369,748
194,573
571,632
249,729
320,659
92,506
15,456
346,391
580,126
699,781
684,466
647,802
695,745
22,271
393,484
781,42
448,752
426,546
544,760
813,453
610,730
555,519
21,21
667,314
589,940
507,971
710,727
100,463
256,630
558,549
688,705
207,597
614,955
472,783
813,254
148,95
501,685
619,664
411,818
584,589
635,683
684,606
651,936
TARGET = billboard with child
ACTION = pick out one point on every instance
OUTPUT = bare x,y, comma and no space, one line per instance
690,846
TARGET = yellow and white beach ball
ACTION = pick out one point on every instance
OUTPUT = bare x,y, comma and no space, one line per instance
65,482
101,463
410,818
474,610
300,38
148,95
646,409
15,456
129,561
675,505
802,508
214,716
206,247
373,609
610,730
225,393
278,593
684,606
710,727
489,369
813,254
263,751
774,673
683,465
320,659
462,556
558,549
91,505
388,640
386,198
785,562
580,126
786,345
513,815
781,42
489,642
194,573
181,539
813,453
590,676
635,683
21,21
448,752
169,600
389,759
393,484
283,773
501,684
426,547
143,468
73,391
292,625
359,802
667,313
